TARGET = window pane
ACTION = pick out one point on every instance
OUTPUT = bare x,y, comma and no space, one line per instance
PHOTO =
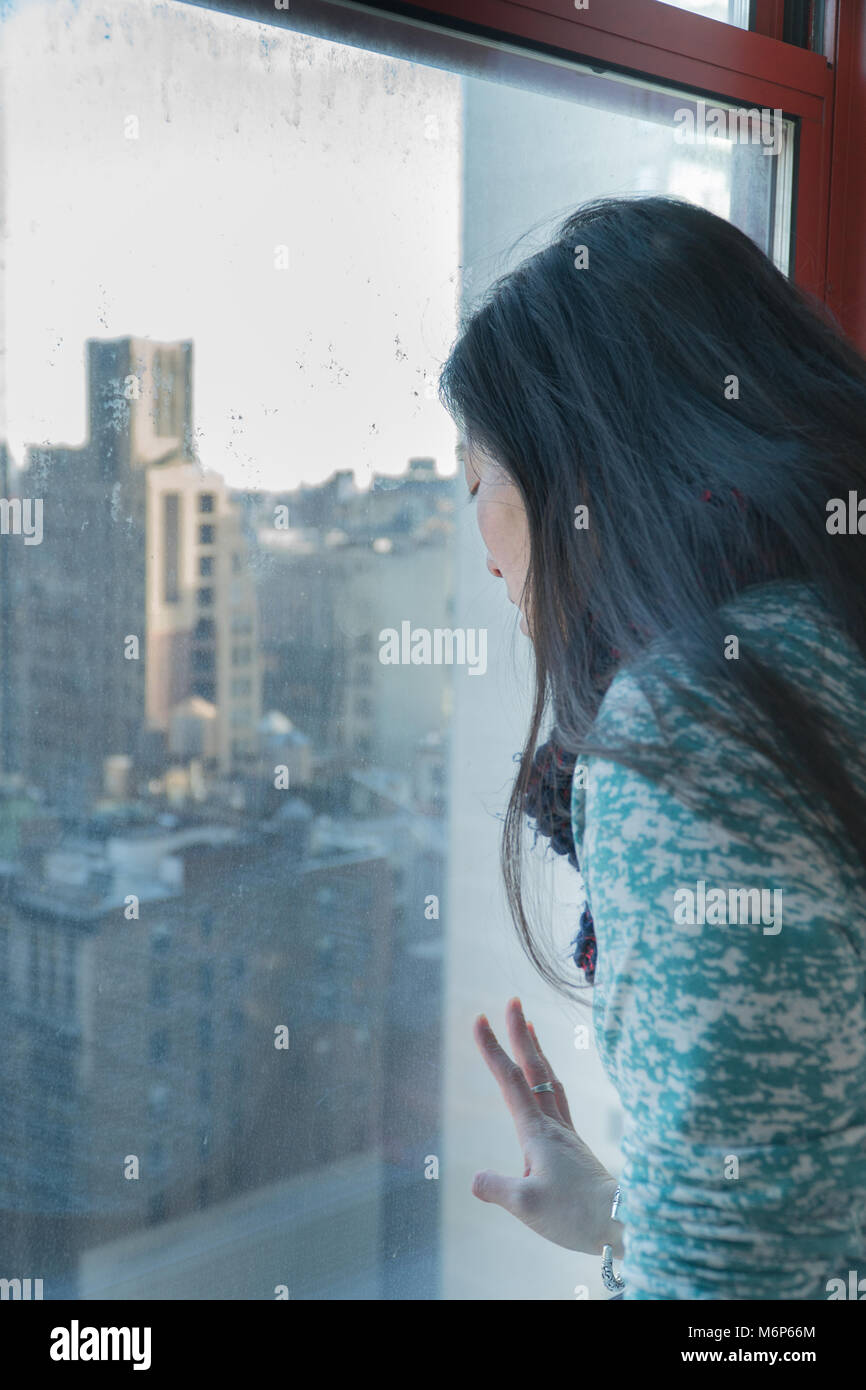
730,11
250,868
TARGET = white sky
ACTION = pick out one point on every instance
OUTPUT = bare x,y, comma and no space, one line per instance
250,137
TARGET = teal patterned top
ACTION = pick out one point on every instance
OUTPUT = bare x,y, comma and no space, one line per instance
736,1039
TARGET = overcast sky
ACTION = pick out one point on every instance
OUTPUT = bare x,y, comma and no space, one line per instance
248,138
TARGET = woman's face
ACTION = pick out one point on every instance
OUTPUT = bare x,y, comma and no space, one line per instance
502,523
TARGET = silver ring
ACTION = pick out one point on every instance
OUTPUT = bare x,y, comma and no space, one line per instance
543,1086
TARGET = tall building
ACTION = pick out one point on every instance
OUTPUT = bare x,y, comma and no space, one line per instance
137,596
202,620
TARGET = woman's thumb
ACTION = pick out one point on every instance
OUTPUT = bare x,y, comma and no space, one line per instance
493,1187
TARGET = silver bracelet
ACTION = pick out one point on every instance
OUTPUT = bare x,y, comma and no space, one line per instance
610,1280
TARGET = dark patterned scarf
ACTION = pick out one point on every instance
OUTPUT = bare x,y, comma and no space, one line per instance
548,804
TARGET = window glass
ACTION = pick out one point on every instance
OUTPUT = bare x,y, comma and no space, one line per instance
730,11
250,874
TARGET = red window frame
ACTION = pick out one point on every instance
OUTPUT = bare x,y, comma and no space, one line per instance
749,68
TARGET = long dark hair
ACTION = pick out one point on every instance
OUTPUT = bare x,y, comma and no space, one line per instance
705,410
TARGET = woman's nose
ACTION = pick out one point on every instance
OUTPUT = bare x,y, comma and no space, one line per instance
492,568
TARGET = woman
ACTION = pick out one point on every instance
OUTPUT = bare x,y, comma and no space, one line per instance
667,447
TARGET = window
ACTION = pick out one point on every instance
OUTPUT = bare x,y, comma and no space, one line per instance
729,11
171,547
159,986
156,1209
262,783
167,413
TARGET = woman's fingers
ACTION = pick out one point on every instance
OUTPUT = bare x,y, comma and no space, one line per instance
535,1067
559,1091
512,1082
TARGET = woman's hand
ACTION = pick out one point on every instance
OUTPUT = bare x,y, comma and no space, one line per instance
565,1193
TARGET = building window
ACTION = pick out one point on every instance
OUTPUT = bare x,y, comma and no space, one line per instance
206,534
170,547
205,566
156,1209
205,597
168,386
159,986
206,501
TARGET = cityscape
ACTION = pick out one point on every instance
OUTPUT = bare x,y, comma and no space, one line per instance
218,815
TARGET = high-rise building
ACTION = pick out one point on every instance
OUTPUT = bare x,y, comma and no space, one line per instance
202,621
138,596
